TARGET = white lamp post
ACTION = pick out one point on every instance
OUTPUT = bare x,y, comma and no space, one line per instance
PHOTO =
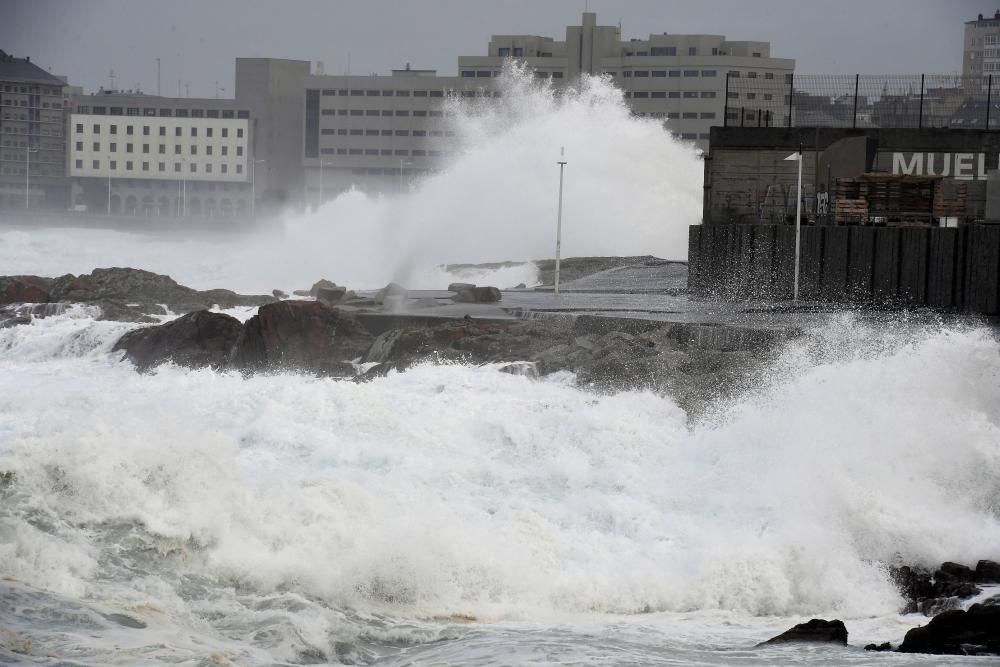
562,165
798,221
27,176
253,187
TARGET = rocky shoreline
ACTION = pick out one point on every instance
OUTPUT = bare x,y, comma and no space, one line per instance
332,332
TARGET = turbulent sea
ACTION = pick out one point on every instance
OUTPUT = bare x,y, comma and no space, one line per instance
460,515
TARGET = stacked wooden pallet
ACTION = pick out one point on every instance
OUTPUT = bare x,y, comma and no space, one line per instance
950,198
850,211
890,198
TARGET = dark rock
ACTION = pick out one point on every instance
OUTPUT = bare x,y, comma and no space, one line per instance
390,290
520,286
932,594
955,571
126,621
459,287
957,632
991,601
330,295
320,284
477,295
198,339
302,292
278,294
24,289
987,572
302,335
886,646
815,631
115,311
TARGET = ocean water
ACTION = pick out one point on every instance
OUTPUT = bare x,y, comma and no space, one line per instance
460,515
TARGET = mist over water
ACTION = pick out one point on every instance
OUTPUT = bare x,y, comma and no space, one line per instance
630,189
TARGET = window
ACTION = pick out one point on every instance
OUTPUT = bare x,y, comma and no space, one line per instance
372,112
420,133
79,164
663,51
708,72
734,74
751,96
707,115
689,94
239,151
518,52
402,112
357,112
97,146
690,136
194,131
504,52
690,72
208,132
145,130
768,75
225,168
371,151
327,92
129,130
751,75
163,149
115,111
128,148
386,133
166,113
177,166
420,113
372,93
692,51
239,133
177,131
212,113
145,166
689,114
181,113
659,73
114,164
627,74
468,73
114,129
420,93
79,145
208,168
145,148
402,153
193,167
755,54
658,94
97,164
239,169
675,73
225,150
733,95
708,94
674,94
177,149
225,132
163,131
161,166
673,115
641,73
640,94
194,150
79,127
371,133
768,96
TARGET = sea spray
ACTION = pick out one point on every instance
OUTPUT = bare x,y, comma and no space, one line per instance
630,190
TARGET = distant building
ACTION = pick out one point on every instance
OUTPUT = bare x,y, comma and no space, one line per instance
144,155
981,51
678,78
32,125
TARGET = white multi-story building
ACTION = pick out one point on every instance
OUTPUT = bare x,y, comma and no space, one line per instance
981,50
144,155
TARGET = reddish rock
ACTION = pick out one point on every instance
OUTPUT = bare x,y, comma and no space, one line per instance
196,340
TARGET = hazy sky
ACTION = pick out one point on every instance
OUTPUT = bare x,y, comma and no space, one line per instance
198,40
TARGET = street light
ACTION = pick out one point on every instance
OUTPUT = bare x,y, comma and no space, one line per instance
322,163
798,221
562,165
401,163
27,176
253,187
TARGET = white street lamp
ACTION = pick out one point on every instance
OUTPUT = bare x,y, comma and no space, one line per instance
253,187
798,221
562,165
27,176
401,163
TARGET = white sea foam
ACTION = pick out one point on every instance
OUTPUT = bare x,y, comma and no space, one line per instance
630,189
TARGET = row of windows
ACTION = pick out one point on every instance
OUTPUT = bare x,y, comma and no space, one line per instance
24,130
129,148
163,113
662,73
178,131
486,74
170,184
32,89
752,96
418,113
672,94
384,152
690,136
162,166
372,132
672,51
371,92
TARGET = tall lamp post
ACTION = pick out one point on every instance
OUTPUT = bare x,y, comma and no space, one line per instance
322,163
798,221
27,176
562,165
402,162
253,187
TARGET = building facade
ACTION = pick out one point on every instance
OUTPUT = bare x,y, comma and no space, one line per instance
144,155
32,136
678,78
981,48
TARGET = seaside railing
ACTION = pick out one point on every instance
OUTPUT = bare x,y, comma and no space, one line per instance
863,101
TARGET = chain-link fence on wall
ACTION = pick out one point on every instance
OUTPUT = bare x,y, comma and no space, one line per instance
865,100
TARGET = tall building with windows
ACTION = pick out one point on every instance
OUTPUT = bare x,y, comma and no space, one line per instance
981,49
678,78
32,141
144,155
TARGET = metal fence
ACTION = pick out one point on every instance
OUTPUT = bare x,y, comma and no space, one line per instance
863,100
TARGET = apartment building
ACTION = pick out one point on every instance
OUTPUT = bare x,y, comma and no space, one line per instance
32,141
678,78
981,52
145,155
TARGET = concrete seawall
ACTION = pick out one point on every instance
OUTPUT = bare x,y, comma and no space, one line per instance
950,268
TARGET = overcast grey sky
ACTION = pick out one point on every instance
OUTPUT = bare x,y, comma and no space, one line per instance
198,40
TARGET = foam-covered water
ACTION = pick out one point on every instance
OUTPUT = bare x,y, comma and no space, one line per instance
630,190
462,515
